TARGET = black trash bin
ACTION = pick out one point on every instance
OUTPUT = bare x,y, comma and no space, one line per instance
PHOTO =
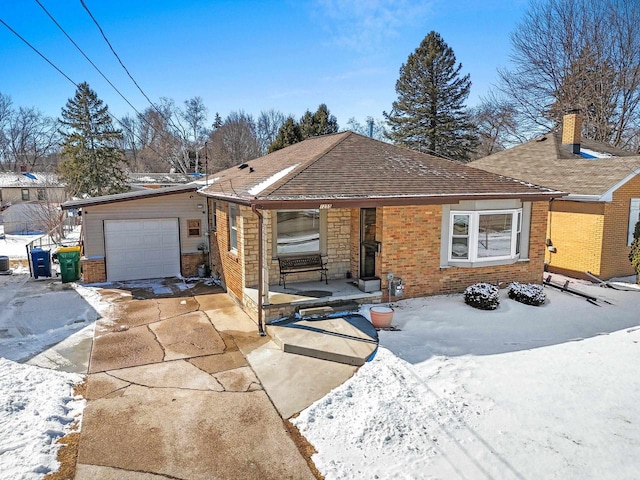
41,261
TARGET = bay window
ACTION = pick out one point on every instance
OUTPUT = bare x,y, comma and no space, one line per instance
485,235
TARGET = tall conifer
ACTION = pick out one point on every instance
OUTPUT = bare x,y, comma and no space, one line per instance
92,163
429,114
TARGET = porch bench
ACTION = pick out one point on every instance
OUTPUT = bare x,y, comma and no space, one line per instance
299,264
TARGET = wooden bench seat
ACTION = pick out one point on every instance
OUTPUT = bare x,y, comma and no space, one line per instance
299,264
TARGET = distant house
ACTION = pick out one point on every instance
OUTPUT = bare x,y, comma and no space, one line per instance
29,187
369,209
21,198
138,181
590,228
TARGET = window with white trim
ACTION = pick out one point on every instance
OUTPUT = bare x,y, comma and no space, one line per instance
485,235
634,217
233,227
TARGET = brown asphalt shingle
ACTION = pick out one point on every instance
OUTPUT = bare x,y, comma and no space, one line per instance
544,161
350,166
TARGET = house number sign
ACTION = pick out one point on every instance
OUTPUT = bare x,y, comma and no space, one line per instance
325,206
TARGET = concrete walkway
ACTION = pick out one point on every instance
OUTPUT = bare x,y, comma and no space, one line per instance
171,395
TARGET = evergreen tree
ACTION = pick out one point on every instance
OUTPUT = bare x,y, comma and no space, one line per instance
288,134
634,254
92,162
310,125
429,115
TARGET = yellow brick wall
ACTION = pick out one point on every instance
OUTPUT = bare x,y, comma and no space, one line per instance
577,237
615,256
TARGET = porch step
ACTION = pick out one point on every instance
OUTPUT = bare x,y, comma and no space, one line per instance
336,339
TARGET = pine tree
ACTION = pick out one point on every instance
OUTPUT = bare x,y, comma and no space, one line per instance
310,125
429,115
92,163
288,134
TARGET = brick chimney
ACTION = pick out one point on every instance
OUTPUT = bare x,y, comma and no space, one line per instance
571,128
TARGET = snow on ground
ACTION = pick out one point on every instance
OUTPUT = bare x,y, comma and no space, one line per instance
521,392
15,246
37,406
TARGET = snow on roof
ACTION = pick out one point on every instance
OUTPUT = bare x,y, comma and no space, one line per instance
587,153
271,180
13,179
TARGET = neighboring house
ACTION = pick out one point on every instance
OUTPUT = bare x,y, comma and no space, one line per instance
26,198
370,209
590,228
29,187
150,233
138,181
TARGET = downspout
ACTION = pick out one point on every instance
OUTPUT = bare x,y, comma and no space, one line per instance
261,331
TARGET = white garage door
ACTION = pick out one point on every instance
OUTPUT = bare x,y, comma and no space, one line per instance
137,249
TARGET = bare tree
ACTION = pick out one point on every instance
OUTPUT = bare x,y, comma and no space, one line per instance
374,128
497,123
584,54
27,138
267,126
234,142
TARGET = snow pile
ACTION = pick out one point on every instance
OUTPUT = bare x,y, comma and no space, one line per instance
482,295
519,392
382,415
527,293
36,408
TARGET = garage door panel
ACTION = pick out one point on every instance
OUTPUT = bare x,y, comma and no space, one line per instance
144,248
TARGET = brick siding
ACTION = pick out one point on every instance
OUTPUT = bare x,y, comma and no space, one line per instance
189,263
93,270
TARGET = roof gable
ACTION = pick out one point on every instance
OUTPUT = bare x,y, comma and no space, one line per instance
544,161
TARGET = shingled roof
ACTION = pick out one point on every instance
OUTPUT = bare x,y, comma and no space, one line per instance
349,169
544,161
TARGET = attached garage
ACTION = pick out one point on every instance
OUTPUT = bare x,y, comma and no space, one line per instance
154,233
142,248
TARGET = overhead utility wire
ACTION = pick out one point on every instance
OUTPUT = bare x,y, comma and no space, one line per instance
67,77
104,36
101,73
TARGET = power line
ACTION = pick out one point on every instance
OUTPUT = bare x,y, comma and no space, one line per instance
103,76
69,78
104,36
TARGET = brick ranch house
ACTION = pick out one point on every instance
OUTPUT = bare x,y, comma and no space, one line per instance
590,228
370,208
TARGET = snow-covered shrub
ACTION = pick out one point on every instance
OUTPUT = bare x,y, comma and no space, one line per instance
528,293
482,295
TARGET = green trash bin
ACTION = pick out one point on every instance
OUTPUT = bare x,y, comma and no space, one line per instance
69,259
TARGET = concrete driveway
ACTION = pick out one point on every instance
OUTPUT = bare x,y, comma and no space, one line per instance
171,395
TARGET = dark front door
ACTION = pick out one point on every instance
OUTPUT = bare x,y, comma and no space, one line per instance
368,244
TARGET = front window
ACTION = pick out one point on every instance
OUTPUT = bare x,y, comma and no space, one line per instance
298,231
485,236
25,194
233,227
41,194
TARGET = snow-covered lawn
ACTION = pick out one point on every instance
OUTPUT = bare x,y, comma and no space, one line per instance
36,408
15,246
521,392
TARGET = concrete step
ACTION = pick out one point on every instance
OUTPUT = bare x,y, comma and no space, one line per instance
336,339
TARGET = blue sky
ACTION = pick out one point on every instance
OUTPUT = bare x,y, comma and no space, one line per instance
249,55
